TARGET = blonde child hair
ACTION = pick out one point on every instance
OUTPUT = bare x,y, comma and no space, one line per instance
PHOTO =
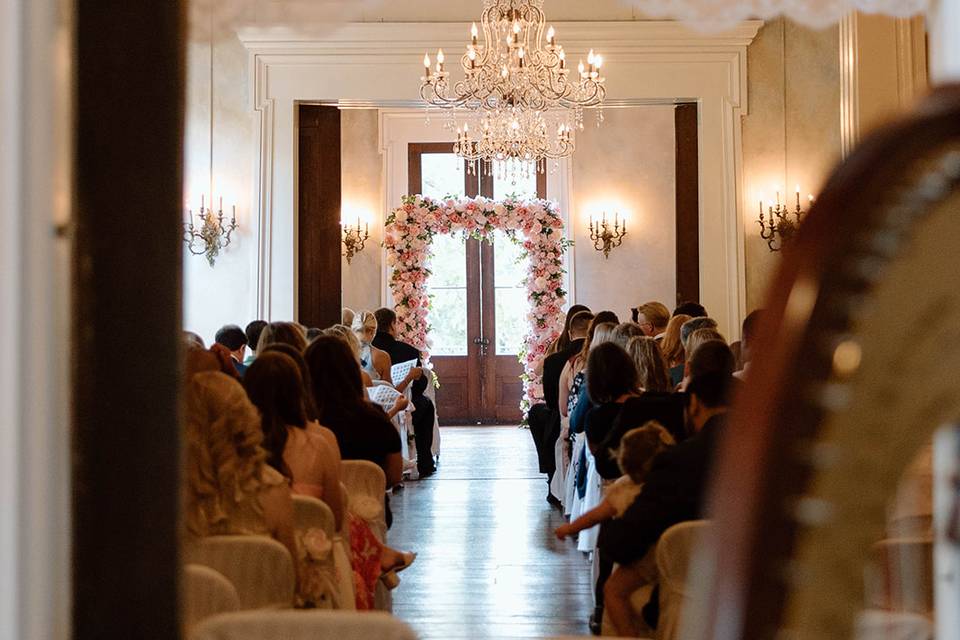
639,447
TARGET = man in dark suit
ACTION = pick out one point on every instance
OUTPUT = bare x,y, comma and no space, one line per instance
235,339
424,411
675,488
546,430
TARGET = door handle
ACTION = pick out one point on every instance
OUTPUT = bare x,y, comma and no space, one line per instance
483,343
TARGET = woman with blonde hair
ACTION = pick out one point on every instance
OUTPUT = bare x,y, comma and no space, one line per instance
672,348
375,362
230,488
289,333
651,366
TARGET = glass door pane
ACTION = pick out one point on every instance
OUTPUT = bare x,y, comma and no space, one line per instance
448,286
510,295
522,187
442,175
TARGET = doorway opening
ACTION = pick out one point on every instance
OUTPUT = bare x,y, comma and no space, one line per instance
478,314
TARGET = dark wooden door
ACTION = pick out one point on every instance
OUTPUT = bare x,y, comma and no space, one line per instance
478,314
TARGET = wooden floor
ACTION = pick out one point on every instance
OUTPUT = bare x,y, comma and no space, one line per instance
489,565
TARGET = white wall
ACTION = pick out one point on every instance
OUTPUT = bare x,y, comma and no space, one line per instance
227,292
626,165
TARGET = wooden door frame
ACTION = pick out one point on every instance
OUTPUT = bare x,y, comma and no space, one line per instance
126,318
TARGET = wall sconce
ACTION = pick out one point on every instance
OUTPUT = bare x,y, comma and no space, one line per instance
210,234
782,224
353,239
604,239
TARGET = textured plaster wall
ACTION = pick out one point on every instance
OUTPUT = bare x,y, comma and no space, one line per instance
792,132
225,293
362,188
628,166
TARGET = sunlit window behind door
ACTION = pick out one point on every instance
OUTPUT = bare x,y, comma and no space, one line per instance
442,175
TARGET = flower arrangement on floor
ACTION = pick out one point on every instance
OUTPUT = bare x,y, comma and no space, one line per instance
534,224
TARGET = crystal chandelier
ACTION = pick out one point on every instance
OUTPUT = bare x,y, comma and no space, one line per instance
517,80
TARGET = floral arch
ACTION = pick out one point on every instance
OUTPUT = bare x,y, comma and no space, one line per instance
534,224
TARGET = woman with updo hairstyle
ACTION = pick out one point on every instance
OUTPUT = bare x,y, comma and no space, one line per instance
374,361
289,333
651,367
230,489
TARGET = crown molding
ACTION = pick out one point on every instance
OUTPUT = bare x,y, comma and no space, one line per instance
398,38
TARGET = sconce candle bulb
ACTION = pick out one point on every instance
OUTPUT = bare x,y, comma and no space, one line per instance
604,237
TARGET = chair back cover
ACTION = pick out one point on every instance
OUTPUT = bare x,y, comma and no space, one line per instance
206,593
674,553
303,625
260,568
905,575
366,485
317,538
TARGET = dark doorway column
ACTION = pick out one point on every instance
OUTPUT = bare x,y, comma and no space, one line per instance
318,216
688,203
128,165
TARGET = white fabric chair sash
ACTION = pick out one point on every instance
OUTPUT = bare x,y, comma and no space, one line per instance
206,593
260,568
674,553
303,625
366,485
312,515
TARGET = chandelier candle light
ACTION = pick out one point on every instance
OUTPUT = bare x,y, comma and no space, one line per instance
516,80
604,239
209,234
781,224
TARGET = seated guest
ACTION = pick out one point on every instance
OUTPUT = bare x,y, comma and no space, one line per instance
562,343
652,373
692,309
637,451
309,406
374,361
193,339
653,318
346,316
289,333
675,488
602,334
230,489
545,433
692,325
298,450
571,378
253,331
424,411
667,409
611,379
694,340
233,338
313,332
748,337
347,335
624,331
672,348
363,430
225,357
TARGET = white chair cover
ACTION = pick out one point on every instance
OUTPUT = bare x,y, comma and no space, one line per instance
874,624
260,568
587,541
558,484
312,515
674,553
205,593
303,625
347,597
366,486
571,501
431,392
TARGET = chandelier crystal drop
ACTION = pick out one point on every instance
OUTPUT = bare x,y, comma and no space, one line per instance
519,86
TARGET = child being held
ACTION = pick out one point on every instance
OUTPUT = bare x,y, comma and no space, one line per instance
638,448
